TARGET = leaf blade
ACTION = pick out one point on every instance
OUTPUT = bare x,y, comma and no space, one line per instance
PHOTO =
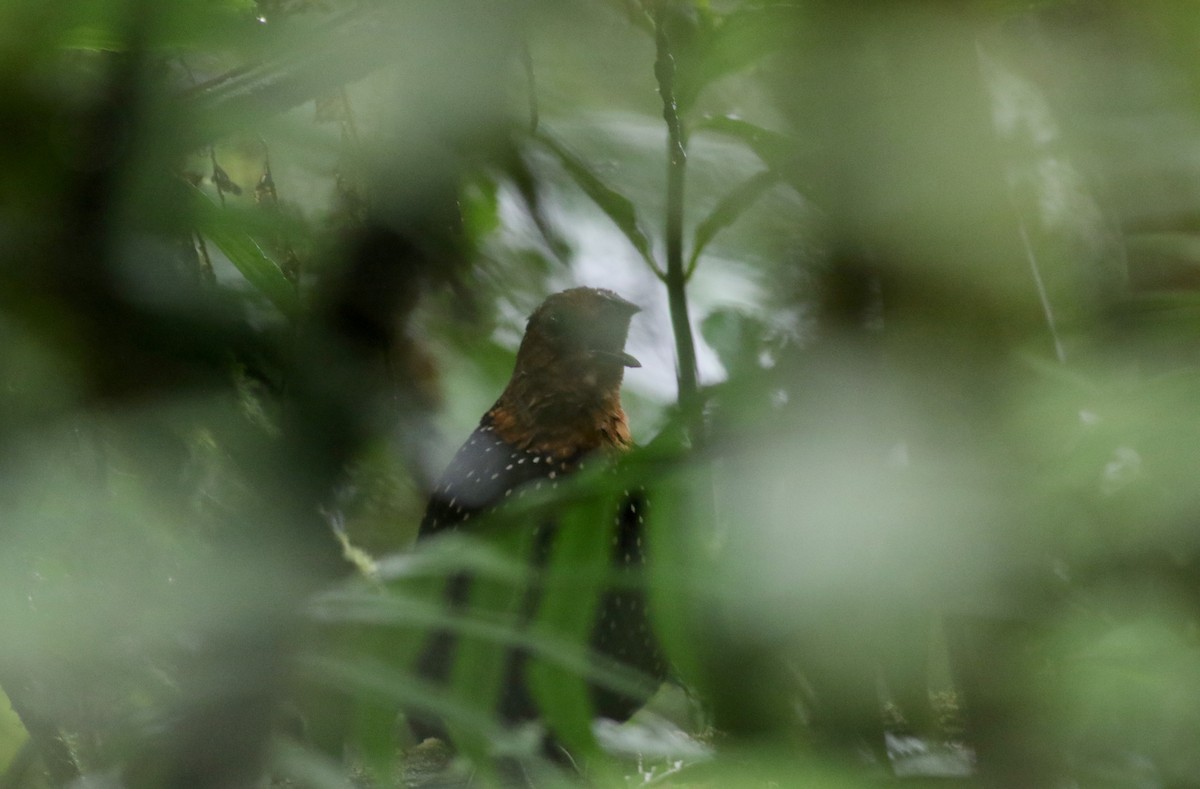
727,211
616,206
255,265
562,694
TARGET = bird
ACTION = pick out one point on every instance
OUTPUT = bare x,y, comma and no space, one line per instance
560,409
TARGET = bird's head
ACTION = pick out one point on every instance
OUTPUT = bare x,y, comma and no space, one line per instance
565,388
578,331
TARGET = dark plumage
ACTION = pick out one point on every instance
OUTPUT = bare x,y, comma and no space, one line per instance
561,406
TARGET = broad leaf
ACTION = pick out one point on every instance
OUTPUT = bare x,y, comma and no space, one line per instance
728,210
781,153
479,667
305,766
777,151
364,676
245,254
616,206
583,541
724,45
498,629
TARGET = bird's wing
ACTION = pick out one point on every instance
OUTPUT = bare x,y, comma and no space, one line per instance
485,471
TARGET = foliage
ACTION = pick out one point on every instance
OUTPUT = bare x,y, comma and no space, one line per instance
921,485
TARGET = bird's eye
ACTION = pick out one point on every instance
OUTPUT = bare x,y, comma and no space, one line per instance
563,325
555,321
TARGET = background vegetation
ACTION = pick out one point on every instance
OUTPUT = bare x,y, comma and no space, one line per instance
920,405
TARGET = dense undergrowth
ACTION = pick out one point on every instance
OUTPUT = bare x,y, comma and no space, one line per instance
917,414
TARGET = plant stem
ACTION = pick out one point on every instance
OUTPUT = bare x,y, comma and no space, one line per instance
676,278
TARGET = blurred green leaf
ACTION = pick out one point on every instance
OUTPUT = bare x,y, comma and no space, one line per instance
725,44
581,543
190,25
263,273
499,629
676,528
737,339
479,669
480,207
726,212
779,152
617,207
306,767
363,676
12,734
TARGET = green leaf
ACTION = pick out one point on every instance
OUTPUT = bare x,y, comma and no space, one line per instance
263,273
677,528
728,210
522,178
782,153
635,12
305,63
777,151
305,766
737,339
581,546
420,604
188,25
730,44
365,676
615,205
480,207
446,555
499,629
477,677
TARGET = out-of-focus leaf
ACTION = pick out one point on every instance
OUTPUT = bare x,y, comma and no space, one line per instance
449,554
1125,680
395,611
478,673
726,212
245,254
635,12
480,207
306,767
675,535
583,542
616,206
521,176
364,676
1164,261
105,27
94,39
1167,309
737,338
306,62
345,48
12,734
729,44
779,152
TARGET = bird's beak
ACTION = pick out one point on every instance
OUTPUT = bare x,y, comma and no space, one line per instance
626,359
628,306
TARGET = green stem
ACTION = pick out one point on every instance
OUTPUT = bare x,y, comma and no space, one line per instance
676,275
